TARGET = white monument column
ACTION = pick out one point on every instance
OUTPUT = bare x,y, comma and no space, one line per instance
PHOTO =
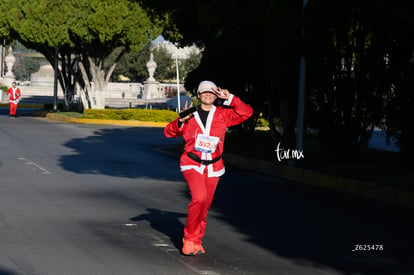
1,71
151,85
1,62
10,59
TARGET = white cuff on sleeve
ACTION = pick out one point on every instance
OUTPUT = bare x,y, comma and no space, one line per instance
228,101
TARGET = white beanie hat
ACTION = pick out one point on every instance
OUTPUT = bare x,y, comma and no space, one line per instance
207,86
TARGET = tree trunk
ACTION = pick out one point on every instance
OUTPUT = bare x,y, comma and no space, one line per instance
93,93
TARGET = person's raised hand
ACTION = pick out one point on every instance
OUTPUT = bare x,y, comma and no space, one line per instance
183,119
223,93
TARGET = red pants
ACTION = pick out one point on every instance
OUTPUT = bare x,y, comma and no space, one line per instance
202,190
13,108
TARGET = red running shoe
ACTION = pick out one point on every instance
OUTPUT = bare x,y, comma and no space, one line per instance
188,248
199,249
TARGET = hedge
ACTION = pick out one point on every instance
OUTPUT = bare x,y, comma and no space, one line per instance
131,114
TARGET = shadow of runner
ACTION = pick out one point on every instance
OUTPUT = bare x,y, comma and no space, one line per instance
165,222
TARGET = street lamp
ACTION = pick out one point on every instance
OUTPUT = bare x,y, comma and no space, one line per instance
2,47
55,83
178,78
178,83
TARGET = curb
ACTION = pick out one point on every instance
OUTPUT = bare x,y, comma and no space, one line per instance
343,185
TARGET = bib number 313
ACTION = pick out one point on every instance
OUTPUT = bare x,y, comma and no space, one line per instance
206,144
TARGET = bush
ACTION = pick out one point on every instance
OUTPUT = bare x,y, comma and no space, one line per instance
132,114
262,122
3,88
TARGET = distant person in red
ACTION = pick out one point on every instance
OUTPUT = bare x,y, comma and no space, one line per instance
14,93
201,163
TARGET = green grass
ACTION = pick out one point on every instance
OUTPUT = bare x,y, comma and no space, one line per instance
71,114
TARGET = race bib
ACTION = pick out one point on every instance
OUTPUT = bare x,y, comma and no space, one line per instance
206,144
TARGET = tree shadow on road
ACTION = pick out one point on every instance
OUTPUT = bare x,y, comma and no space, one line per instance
122,152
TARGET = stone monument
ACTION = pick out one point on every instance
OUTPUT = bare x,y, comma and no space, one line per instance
9,76
151,90
44,77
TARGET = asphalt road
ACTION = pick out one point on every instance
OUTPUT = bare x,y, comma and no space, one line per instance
88,199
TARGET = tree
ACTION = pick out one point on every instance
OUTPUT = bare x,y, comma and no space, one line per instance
165,64
80,35
251,47
4,29
190,63
133,64
360,57
24,67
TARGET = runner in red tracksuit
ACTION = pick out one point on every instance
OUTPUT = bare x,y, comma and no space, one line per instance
201,163
14,93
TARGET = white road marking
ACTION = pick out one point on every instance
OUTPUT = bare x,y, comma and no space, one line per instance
29,162
127,224
160,244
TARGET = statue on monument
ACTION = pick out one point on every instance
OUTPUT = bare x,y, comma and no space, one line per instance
151,86
151,66
10,60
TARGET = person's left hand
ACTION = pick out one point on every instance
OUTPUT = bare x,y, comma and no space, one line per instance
223,93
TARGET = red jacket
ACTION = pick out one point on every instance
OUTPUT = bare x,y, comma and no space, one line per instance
218,120
13,95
